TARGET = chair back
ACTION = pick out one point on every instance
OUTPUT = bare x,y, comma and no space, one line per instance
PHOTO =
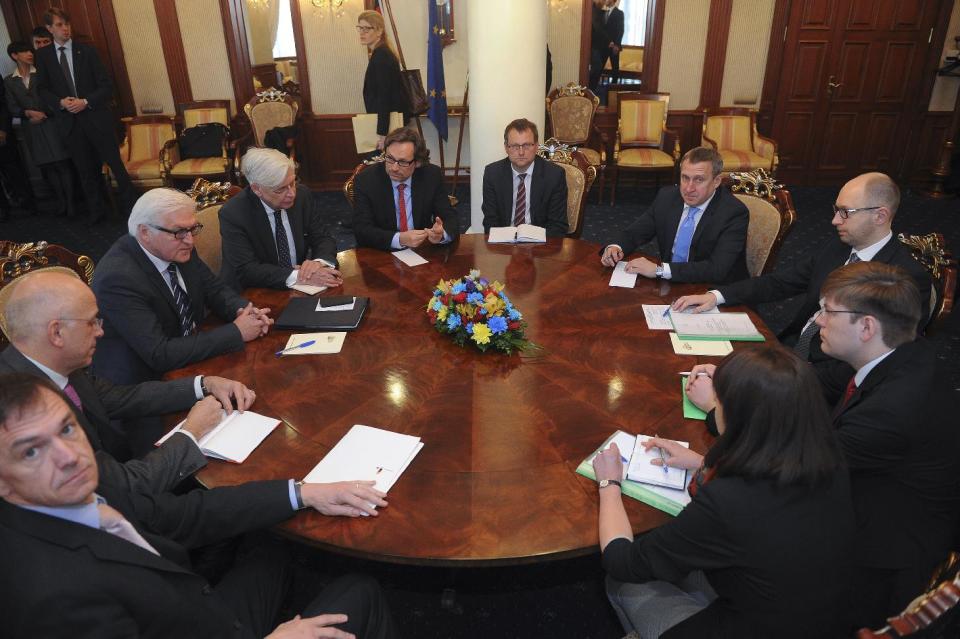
348,186
931,251
571,109
270,109
642,119
146,135
209,197
580,175
204,112
19,259
772,215
730,129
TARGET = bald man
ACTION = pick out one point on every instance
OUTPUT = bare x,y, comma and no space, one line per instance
53,325
863,215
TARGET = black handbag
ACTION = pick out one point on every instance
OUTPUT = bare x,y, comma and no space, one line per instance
413,87
203,141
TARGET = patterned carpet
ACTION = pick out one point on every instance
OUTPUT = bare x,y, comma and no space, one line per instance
561,599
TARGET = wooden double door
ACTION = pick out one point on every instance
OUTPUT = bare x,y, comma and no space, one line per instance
850,86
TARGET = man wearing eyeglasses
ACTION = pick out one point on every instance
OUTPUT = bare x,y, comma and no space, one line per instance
863,214
154,292
401,202
52,321
895,417
523,188
273,234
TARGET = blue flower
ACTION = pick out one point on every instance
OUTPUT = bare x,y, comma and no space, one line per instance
470,328
471,286
506,300
497,325
437,305
475,298
515,314
483,311
453,321
459,287
437,293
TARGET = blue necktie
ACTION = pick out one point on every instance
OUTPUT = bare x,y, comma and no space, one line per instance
681,246
182,302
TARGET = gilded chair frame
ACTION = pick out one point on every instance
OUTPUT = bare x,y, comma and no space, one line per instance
170,154
256,135
349,191
209,197
755,136
573,91
759,184
669,140
571,159
19,259
931,251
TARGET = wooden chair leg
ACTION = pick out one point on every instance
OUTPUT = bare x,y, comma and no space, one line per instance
603,178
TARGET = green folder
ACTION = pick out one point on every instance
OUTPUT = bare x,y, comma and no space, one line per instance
690,410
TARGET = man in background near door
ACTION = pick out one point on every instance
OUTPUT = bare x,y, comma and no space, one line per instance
75,86
606,39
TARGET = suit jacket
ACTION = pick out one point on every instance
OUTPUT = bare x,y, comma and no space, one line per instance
779,557
900,438
806,275
718,248
603,33
92,83
250,246
548,196
164,467
61,575
375,215
383,90
142,338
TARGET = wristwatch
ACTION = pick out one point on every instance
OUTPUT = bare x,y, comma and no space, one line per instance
203,387
606,482
659,271
296,491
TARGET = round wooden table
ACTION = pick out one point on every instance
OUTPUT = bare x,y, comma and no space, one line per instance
495,481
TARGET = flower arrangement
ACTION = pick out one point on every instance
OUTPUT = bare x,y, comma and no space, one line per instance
474,309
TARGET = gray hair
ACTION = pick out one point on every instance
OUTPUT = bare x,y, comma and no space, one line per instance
153,204
266,167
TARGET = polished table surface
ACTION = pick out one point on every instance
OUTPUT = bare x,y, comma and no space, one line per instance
495,481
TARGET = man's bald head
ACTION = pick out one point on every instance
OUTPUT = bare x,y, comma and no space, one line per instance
39,297
879,190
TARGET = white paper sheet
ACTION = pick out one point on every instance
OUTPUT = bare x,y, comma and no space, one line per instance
235,437
338,307
643,471
323,343
714,325
657,321
621,278
519,234
369,453
309,289
700,347
409,257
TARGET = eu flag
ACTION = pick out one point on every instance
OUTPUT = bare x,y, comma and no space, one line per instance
436,86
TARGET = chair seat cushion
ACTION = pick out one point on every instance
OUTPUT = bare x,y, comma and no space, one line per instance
143,169
744,161
591,155
648,158
200,166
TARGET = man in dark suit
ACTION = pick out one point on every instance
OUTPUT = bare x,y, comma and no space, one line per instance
83,557
154,291
862,215
52,322
75,86
523,188
273,234
606,38
701,229
401,203
896,421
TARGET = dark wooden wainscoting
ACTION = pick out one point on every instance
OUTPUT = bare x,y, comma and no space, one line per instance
326,150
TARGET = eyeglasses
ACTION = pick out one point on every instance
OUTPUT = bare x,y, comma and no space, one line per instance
95,322
180,234
361,29
844,213
513,148
392,160
824,309
282,190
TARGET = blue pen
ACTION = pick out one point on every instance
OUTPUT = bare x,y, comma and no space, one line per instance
666,312
304,345
663,458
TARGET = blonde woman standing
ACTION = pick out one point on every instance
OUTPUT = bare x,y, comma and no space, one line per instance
382,85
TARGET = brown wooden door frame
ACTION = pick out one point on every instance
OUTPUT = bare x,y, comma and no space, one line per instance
650,75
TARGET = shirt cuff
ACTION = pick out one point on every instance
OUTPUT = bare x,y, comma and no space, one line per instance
190,435
719,297
446,238
292,278
395,242
293,495
666,271
325,262
197,388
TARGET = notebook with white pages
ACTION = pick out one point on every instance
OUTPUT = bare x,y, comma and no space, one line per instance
235,437
642,470
517,234
367,453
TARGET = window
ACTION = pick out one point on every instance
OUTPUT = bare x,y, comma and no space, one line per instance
634,21
284,45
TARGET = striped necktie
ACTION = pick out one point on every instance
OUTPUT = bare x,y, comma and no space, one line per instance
520,213
182,302
283,246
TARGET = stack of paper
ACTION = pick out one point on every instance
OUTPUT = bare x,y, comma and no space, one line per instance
668,500
517,234
235,437
720,326
367,453
621,278
658,315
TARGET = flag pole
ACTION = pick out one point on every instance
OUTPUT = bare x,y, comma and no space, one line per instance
463,121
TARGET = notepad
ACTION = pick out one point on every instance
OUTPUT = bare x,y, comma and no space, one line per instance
657,321
669,500
235,437
719,326
621,278
409,257
309,289
367,453
517,234
701,347
323,343
690,410
331,304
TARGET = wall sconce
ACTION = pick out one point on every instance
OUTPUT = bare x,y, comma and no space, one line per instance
332,7
557,6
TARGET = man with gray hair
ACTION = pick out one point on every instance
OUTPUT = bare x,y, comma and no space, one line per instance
273,235
154,291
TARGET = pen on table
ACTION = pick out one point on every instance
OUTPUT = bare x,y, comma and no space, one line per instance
303,345
663,458
667,311
700,374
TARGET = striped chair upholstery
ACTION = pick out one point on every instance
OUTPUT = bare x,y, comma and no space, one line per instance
733,132
141,148
216,167
644,143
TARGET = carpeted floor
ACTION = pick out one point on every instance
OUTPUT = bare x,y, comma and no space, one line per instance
564,598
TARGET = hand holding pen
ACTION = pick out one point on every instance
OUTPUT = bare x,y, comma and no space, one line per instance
673,455
699,387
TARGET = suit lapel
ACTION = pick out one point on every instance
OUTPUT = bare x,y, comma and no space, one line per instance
153,275
261,227
295,215
705,218
536,188
93,408
385,185
506,197
418,201
673,225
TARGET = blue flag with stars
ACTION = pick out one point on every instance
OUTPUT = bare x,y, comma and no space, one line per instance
436,86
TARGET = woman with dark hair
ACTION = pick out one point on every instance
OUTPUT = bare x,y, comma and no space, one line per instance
383,90
764,547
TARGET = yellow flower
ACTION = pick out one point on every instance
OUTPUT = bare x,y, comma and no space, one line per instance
493,304
442,313
497,286
443,286
481,334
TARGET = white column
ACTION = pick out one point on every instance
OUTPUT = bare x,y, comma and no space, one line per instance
507,42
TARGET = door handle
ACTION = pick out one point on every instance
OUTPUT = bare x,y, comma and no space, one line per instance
831,84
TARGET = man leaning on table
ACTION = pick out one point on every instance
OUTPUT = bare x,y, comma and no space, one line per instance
273,233
401,202
53,325
701,229
85,558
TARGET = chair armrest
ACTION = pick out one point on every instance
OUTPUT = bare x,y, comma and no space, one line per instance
606,143
169,156
669,135
712,143
764,146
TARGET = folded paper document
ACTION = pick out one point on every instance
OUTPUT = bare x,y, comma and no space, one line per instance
715,326
235,437
517,234
700,347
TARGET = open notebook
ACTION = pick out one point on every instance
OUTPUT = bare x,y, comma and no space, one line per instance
517,234
235,437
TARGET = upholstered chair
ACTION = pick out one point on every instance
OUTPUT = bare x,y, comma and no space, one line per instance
146,135
209,197
571,110
644,143
267,110
733,132
580,176
177,169
931,251
772,215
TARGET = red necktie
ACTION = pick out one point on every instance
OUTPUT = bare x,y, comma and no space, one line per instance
847,394
71,392
402,208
